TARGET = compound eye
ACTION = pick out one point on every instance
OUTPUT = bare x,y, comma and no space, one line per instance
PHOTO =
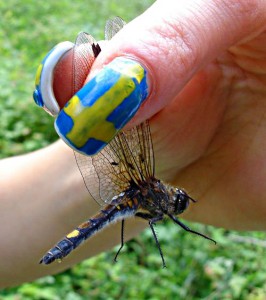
43,94
182,201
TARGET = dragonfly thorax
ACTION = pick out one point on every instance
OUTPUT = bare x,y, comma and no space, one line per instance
160,198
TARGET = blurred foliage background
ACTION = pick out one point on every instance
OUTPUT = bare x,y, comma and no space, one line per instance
233,269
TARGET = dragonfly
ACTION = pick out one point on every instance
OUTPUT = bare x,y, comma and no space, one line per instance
121,177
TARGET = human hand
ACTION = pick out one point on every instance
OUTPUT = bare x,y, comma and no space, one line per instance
206,70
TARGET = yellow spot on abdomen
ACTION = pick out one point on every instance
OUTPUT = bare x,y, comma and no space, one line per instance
73,233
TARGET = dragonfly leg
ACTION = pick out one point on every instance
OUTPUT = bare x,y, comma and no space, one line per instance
157,243
175,219
122,239
152,222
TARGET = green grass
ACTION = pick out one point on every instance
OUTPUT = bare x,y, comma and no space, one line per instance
197,269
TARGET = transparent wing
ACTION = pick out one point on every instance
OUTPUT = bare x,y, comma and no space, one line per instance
112,26
85,51
135,151
128,159
129,156
103,175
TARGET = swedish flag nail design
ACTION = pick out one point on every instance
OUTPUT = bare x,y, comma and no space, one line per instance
95,114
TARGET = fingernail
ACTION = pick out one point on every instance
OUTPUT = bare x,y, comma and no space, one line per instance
43,94
96,113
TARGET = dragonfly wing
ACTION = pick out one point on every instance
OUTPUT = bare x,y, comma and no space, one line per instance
127,159
102,175
112,26
133,150
129,156
84,54
112,178
89,175
86,49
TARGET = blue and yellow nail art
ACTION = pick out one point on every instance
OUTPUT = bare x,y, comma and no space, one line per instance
43,94
95,114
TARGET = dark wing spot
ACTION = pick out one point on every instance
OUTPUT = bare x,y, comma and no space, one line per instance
130,166
96,49
141,158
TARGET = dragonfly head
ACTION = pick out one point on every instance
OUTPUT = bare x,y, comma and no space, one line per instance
181,201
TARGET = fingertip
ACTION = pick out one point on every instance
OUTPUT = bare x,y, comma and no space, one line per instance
63,79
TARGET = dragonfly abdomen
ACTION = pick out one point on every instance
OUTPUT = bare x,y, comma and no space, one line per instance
109,214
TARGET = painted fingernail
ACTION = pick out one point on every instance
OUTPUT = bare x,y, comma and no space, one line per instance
43,94
96,113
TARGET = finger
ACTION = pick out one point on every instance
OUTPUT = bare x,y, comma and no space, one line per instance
165,46
174,39
63,79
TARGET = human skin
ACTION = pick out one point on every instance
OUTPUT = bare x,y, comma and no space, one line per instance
207,66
